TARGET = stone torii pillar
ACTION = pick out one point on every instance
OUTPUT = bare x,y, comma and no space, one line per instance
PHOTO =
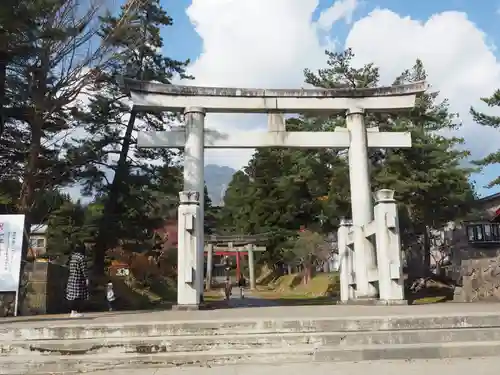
209,249
361,200
251,265
188,271
194,177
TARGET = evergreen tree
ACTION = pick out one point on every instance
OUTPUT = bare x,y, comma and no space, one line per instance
47,62
284,190
16,38
128,179
491,121
429,178
66,226
430,183
233,217
71,223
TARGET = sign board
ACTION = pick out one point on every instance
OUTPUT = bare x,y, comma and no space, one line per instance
11,245
123,272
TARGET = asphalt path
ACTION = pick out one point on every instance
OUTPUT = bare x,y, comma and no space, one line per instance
235,301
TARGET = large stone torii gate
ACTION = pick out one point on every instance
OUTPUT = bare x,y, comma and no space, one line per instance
197,101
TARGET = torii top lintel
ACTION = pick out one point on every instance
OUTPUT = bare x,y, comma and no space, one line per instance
150,96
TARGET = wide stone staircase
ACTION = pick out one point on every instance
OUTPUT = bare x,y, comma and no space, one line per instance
266,335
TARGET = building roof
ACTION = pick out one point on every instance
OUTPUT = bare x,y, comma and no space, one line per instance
39,229
489,197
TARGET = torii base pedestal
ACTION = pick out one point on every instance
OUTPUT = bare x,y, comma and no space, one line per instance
373,302
187,307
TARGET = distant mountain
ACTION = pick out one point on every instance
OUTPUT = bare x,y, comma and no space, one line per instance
217,178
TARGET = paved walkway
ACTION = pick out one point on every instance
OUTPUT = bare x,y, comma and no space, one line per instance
251,309
248,301
457,366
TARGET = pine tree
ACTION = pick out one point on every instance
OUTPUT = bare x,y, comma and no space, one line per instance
284,190
125,177
491,121
429,177
66,226
233,217
430,183
16,22
47,62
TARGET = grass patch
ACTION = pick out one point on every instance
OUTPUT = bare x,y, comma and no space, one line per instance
320,285
429,290
325,287
285,282
212,295
290,287
266,276
429,300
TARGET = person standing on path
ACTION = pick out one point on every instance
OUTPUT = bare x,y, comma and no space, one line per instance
227,288
77,289
110,296
242,284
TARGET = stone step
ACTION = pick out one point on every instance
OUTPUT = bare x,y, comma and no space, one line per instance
55,364
94,330
311,340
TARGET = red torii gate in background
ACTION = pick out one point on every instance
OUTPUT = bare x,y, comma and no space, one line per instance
233,246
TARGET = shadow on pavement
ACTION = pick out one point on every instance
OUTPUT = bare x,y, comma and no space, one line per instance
255,301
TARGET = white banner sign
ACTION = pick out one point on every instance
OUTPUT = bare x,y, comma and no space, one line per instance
11,245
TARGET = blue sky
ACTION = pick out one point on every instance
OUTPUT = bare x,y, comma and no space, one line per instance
183,42
455,38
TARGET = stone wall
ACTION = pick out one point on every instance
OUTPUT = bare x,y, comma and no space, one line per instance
7,302
42,291
476,269
480,275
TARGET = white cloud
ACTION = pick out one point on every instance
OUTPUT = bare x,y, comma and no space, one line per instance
262,43
258,43
339,10
456,54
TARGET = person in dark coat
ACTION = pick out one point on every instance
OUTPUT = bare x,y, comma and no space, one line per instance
77,289
242,284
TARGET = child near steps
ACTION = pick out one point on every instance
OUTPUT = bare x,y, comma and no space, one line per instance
110,296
